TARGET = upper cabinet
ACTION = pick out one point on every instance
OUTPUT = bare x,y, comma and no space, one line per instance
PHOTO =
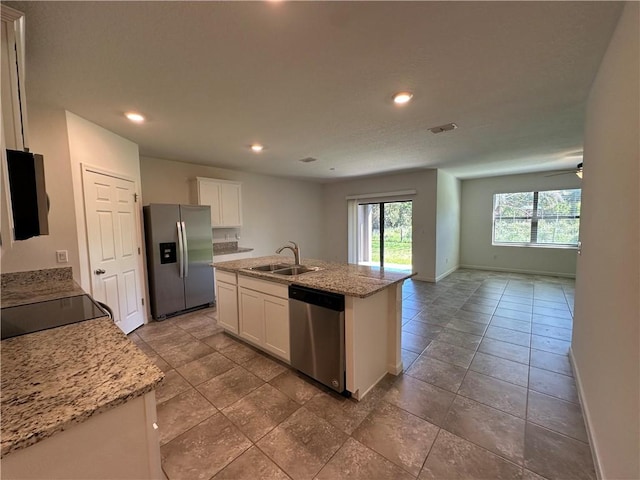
14,105
224,198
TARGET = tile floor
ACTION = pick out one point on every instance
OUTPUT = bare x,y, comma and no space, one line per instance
487,392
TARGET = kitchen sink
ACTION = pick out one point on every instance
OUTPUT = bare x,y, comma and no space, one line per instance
297,270
270,267
284,269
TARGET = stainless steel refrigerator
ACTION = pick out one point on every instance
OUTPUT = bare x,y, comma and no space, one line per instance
179,256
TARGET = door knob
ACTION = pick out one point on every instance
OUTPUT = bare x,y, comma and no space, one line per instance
100,271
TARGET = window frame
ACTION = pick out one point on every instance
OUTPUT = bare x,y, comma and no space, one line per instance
534,218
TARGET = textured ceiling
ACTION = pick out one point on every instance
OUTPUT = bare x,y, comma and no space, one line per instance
315,79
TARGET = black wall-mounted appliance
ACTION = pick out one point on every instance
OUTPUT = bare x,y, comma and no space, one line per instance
29,203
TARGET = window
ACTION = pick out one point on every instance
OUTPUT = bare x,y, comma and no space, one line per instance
550,218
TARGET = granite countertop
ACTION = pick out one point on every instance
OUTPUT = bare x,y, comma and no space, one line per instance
21,288
236,250
228,248
343,278
53,379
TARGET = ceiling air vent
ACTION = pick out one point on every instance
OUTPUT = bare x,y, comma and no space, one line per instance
307,160
444,128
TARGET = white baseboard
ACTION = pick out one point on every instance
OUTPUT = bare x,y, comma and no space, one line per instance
447,273
424,279
586,415
517,270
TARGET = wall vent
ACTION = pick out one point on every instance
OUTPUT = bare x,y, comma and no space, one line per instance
444,128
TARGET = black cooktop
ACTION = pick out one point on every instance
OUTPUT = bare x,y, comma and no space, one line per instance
33,317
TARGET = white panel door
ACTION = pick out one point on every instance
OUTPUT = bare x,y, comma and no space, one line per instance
112,222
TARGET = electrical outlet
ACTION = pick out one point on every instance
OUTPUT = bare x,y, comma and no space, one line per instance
62,256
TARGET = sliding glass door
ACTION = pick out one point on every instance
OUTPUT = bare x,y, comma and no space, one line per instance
384,234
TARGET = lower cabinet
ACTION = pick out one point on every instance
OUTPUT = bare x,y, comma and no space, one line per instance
227,300
264,315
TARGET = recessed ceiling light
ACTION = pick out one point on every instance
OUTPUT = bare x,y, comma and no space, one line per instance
402,97
256,147
134,117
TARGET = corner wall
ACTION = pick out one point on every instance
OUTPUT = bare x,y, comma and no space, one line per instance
424,215
48,136
606,332
476,249
447,225
274,210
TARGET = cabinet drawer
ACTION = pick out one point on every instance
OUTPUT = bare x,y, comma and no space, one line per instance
264,286
227,277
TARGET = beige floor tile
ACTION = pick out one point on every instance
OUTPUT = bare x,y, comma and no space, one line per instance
204,450
461,339
185,353
414,343
554,384
205,368
552,345
496,393
357,462
508,335
466,326
551,331
172,385
397,435
487,427
506,350
422,329
552,362
557,415
510,323
238,352
180,413
344,413
293,385
421,399
438,373
252,465
229,387
453,457
556,456
408,357
260,411
501,368
449,353
264,368
302,444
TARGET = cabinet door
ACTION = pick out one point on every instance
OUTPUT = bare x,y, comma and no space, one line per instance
251,316
209,194
227,306
231,204
276,326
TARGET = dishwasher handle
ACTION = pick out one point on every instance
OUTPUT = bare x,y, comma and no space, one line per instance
331,301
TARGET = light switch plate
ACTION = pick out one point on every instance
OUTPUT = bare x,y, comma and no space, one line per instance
62,256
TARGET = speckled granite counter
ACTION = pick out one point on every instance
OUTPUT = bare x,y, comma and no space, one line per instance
228,248
56,378
21,288
344,278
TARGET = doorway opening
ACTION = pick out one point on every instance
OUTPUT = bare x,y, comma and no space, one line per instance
385,234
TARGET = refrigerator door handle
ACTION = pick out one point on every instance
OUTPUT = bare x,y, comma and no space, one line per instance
180,250
186,250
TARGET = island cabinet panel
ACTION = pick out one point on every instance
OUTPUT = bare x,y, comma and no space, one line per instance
264,315
366,336
227,300
276,326
120,443
251,315
224,198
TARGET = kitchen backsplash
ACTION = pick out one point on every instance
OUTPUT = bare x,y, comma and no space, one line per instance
223,247
48,275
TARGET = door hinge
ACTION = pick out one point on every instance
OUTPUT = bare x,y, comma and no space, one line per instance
142,300
138,250
135,197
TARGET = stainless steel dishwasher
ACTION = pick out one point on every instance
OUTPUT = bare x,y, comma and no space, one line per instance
317,335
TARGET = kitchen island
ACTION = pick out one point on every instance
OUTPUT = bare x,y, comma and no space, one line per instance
373,311
77,401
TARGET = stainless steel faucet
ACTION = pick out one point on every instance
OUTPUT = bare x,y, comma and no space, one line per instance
295,249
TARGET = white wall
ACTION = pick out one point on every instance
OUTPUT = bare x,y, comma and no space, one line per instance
274,210
92,145
447,224
48,136
476,250
424,215
606,336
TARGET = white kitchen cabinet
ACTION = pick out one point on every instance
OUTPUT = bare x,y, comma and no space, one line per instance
224,198
227,301
264,315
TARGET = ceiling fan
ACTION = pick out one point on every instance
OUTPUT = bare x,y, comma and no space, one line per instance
577,171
